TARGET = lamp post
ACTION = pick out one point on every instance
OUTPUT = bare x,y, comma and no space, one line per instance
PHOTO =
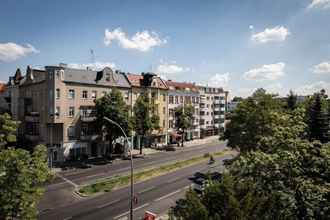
131,157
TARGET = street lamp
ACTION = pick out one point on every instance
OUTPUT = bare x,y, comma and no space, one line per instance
131,157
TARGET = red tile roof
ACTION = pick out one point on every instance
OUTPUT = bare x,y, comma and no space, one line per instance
2,87
181,85
136,80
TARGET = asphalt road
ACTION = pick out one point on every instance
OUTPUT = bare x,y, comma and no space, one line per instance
59,193
155,195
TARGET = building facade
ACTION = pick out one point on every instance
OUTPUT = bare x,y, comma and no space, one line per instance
212,110
157,90
56,106
181,94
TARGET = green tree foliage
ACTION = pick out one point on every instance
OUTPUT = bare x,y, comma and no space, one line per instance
184,119
291,101
21,175
318,120
251,121
144,120
283,177
8,129
113,106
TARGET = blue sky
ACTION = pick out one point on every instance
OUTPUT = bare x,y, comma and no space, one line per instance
240,45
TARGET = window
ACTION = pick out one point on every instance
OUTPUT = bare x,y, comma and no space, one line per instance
181,99
94,95
208,98
164,110
176,100
171,99
84,94
171,112
163,123
164,97
71,111
57,112
207,113
170,124
58,93
71,94
71,132
193,99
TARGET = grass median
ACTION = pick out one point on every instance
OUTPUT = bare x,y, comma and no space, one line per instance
115,182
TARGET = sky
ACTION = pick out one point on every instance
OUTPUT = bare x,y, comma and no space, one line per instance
239,45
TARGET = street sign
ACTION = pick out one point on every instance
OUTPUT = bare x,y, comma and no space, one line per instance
149,216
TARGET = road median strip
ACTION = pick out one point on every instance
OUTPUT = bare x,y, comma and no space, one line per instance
119,181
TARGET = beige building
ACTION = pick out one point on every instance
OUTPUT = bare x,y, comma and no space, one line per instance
157,90
57,108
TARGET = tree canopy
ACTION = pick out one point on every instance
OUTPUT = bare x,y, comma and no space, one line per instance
113,106
144,120
279,174
21,175
184,118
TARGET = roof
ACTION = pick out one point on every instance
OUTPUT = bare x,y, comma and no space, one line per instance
2,87
137,80
181,86
92,77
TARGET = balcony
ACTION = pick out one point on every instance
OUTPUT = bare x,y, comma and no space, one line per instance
32,117
32,137
87,115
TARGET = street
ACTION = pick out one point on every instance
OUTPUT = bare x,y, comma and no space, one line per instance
155,195
59,193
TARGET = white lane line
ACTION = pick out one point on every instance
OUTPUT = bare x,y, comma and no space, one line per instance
173,180
146,190
67,180
168,195
67,218
108,204
186,187
126,213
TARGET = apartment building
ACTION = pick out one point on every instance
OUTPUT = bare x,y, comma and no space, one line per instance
157,90
212,110
56,106
181,94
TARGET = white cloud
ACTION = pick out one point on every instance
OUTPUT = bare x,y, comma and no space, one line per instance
219,80
275,88
322,68
276,34
93,66
310,89
266,72
11,51
171,68
323,4
142,41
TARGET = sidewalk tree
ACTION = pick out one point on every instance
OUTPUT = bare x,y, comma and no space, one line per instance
184,119
144,120
22,175
113,106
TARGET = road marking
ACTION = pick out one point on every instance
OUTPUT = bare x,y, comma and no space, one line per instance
108,204
186,187
67,180
168,195
126,213
173,180
67,218
146,190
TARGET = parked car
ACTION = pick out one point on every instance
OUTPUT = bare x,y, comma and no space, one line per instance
202,180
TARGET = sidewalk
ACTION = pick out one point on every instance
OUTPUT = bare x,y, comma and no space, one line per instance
211,139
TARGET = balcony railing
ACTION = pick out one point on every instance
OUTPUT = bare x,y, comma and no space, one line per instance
32,117
87,115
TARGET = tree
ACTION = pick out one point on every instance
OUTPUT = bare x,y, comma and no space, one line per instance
144,121
8,129
318,120
237,99
251,121
291,101
21,175
184,118
113,106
